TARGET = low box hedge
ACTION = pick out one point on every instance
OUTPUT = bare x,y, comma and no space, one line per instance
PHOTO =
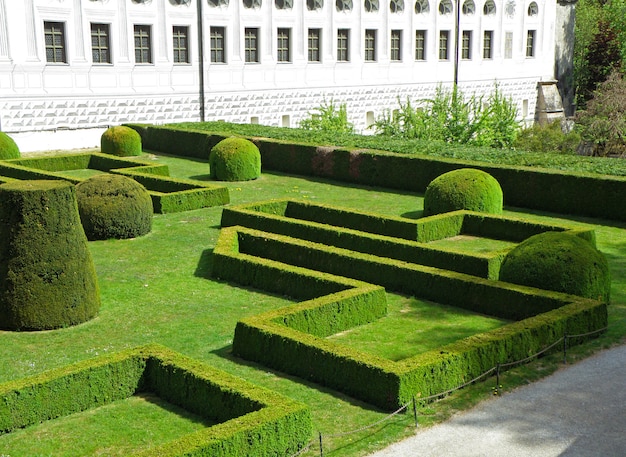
251,420
283,340
525,187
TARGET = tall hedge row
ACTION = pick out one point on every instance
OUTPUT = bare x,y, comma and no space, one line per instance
526,187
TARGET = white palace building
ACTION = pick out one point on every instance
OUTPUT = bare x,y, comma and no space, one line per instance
70,68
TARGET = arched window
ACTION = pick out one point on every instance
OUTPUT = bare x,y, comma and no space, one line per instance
180,2
252,3
216,3
445,7
343,5
469,7
313,5
283,4
371,6
533,9
396,6
490,8
422,7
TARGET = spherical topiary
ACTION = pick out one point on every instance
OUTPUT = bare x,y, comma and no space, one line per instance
121,141
465,188
47,276
114,206
8,148
561,262
235,159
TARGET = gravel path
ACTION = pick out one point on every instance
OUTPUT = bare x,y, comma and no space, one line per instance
579,411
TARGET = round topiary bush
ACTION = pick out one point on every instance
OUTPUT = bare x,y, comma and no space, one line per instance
235,159
560,262
8,148
121,141
465,188
47,276
114,206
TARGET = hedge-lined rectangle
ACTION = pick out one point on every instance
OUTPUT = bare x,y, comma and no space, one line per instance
250,420
286,339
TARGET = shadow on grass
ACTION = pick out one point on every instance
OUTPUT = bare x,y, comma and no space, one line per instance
202,178
413,214
155,400
205,265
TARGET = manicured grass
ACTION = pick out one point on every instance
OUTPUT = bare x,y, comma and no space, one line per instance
117,429
157,288
83,173
414,326
472,243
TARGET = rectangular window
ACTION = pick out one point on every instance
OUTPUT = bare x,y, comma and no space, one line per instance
54,35
488,44
251,45
180,36
530,43
444,52
396,45
343,43
218,44
283,45
370,45
100,43
420,45
466,45
315,42
508,45
143,44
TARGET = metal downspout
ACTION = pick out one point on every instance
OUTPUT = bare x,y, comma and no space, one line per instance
201,59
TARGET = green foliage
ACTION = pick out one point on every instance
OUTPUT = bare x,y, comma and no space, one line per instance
8,147
47,276
451,118
465,188
603,123
121,141
235,159
114,206
547,138
560,262
328,118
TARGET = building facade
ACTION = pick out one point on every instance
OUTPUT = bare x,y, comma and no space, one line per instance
87,64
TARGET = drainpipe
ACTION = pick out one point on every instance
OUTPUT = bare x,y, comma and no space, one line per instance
456,42
201,59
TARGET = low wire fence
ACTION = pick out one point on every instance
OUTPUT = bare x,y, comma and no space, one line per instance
412,405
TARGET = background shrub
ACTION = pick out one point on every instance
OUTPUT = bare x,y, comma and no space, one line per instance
8,148
546,138
561,262
121,141
47,276
235,159
328,118
465,188
114,206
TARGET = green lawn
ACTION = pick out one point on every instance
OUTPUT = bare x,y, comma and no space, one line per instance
157,288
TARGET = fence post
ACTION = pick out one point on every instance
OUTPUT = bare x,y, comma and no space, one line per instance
321,445
415,412
497,391
565,348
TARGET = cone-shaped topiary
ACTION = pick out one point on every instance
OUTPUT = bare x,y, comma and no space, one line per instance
47,276
114,206
8,147
235,159
121,141
561,262
465,188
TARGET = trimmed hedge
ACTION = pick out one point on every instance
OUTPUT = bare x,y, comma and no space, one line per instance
47,276
8,148
252,420
463,189
121,141
525,187
561,262
327,224
283,339
235,159
114,206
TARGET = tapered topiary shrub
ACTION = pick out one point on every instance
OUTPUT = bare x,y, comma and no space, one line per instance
561,262
114,206
235,159
8,147
121,141
47,276
466,188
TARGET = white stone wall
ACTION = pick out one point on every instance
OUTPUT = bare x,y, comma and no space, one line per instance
80,94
